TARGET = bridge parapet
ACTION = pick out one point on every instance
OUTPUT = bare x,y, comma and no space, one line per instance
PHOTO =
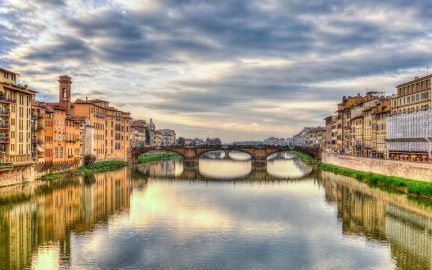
191,154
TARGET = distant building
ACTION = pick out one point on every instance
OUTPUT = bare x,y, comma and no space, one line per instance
309,137
165,137
274,141
138,133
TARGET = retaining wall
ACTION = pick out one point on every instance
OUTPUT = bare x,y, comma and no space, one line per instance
410,170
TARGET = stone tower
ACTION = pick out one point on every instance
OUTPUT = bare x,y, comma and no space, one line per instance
65,89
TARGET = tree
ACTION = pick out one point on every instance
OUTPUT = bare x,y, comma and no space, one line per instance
181,141
147,134
217,141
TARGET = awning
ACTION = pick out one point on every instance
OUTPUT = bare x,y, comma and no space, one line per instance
40,148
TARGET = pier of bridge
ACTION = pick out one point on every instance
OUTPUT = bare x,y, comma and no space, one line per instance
191,154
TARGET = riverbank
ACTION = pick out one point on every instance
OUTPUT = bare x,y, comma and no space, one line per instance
305,157
408,186
157,156
101,166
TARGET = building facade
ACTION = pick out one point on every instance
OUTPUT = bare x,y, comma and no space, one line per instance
413,96
15,120
165,137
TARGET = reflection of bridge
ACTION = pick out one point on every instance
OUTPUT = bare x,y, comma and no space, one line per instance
191,154
167,170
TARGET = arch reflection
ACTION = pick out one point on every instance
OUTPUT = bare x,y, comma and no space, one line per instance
162,168
224,168
288,168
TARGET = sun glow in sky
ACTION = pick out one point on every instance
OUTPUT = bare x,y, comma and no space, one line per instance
239,70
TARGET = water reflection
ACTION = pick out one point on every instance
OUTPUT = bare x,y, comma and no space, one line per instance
137,219
216,165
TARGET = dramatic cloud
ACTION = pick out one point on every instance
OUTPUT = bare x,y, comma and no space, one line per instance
234,69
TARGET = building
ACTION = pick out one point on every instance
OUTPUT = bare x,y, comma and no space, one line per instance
139,133
379,130
275,141
409,136
310,137
56,137
330,132
165,137
413,95
15,120
352,127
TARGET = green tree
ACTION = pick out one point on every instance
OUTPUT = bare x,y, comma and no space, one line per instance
147,134
181,141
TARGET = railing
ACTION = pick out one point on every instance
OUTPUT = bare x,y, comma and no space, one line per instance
4,139
4,126
4,113
36,140
3,99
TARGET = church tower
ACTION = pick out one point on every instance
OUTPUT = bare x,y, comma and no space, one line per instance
65,89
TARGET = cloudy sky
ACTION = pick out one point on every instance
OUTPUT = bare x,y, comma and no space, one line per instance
238,70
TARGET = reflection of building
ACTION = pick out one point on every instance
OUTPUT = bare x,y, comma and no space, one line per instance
49,218
372,213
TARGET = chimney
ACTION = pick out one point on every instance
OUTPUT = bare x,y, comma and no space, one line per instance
86,98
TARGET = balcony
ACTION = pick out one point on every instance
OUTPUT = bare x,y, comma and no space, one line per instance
4,126
4,113
4,139
5,100
36,140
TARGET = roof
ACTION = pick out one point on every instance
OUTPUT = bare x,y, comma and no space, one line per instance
26,91
2,69
416,79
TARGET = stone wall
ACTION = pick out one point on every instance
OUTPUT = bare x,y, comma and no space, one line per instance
18,175
410,170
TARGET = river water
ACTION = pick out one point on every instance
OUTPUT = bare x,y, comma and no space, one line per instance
225,214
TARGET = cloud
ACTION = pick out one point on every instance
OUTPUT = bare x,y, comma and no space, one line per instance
231,64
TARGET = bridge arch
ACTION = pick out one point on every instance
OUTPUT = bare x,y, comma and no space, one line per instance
227,150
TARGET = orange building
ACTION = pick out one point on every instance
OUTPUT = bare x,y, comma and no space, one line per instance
56,137
111,127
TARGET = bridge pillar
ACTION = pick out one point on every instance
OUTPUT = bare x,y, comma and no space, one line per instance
259,162
190,162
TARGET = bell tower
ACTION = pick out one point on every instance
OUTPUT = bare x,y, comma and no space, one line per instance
65,89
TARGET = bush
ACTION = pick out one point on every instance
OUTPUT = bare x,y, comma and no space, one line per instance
409,186
157,156
89,159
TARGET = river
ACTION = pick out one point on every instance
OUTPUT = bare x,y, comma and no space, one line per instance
225,214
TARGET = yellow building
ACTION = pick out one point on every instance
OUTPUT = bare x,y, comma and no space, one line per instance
379,131
111,128
413,95
15,120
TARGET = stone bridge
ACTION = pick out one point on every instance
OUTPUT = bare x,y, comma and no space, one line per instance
191,154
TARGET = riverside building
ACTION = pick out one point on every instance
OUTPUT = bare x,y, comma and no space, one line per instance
413,95
358,128
15,120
